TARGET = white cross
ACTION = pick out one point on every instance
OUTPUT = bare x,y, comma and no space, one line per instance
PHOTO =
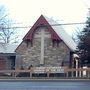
43,36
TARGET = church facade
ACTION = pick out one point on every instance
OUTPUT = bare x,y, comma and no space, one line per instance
46,44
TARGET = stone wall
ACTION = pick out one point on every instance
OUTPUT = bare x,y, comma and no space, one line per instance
31,55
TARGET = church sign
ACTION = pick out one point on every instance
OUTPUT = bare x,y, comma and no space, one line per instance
48,69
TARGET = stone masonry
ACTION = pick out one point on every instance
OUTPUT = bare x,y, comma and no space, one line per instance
31,55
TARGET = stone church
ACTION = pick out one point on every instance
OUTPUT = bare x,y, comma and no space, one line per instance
46,44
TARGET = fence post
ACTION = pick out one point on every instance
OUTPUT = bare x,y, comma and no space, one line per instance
13,74
66,74
80,73
89,73
31,73
72,73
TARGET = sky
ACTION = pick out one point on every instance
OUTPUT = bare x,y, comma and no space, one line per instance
26,12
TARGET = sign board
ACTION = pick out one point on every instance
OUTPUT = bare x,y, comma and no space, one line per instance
48,69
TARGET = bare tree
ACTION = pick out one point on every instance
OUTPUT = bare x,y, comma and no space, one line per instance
7,35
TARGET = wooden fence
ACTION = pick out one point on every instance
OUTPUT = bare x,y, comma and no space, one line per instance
48,72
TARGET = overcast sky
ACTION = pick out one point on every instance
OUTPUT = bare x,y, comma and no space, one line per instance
28,11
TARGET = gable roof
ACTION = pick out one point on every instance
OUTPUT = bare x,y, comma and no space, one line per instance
62,34
57,32
41,22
